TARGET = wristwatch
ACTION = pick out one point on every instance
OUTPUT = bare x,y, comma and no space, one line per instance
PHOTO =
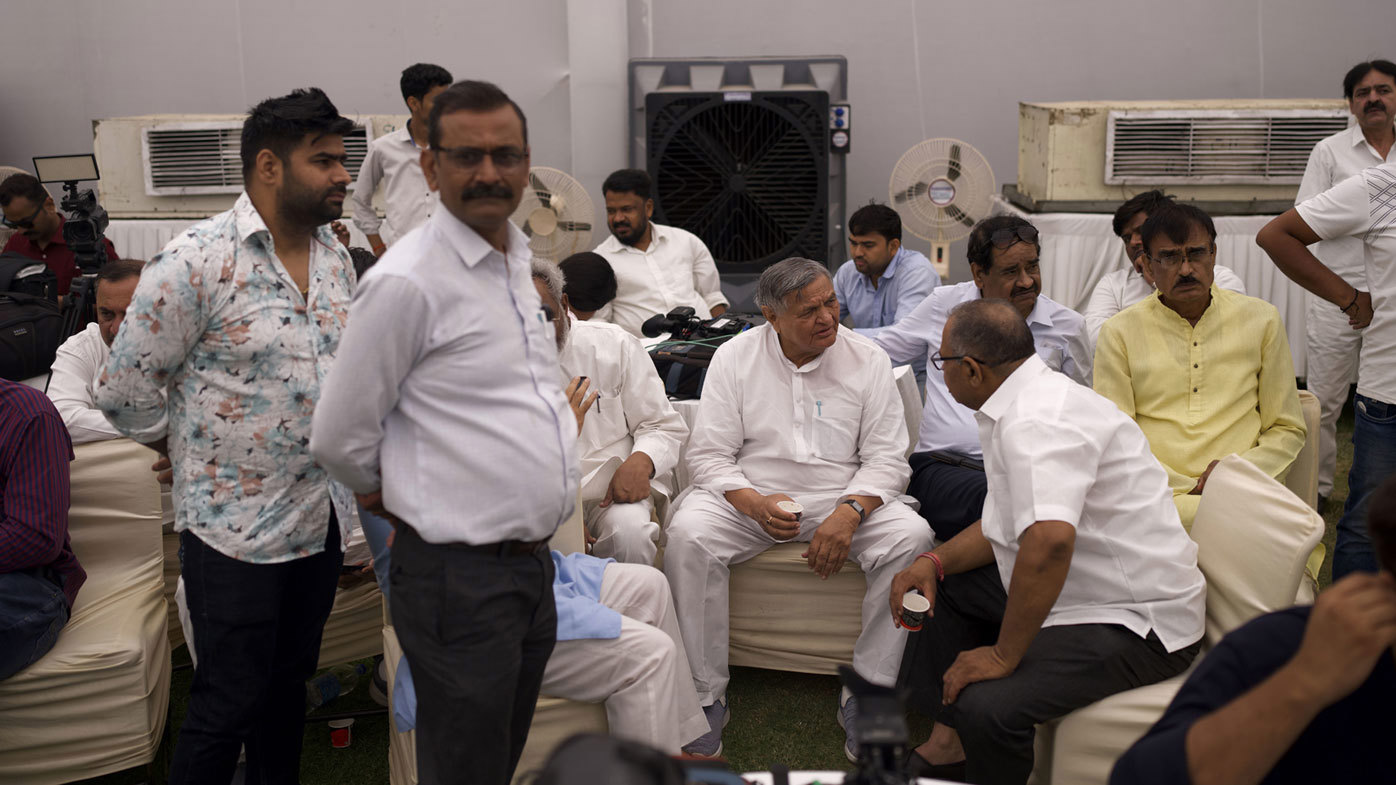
858,508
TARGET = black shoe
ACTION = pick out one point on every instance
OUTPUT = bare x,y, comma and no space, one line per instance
919,767
1322,505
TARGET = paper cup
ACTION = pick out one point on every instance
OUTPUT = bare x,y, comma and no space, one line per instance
795,508
341,733
914,609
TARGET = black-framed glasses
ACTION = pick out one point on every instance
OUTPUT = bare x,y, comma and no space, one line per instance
939,360
24,223
1173,257
1009,236
505,158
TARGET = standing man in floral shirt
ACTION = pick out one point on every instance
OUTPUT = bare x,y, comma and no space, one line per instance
238,320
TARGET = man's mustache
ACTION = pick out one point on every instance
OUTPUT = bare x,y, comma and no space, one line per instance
487,191
1186,279
1375,105
1027,290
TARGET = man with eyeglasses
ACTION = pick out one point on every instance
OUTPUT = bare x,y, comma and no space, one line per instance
947,474
445,414
31,212
658,268
1204,371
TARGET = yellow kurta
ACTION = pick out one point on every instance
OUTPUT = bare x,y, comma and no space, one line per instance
1202,392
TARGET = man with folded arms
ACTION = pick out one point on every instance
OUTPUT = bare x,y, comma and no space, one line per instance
947,476
800,410
1204,371
1077,583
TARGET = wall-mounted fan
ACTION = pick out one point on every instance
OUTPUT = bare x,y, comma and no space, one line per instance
556,214
941,188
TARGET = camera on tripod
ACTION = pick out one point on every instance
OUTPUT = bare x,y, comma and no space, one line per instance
84,231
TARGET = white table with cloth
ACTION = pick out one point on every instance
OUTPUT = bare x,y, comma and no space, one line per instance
1078,249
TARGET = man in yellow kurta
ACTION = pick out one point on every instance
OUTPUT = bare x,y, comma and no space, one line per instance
1204,371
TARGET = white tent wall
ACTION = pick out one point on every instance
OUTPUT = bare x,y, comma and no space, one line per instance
564,61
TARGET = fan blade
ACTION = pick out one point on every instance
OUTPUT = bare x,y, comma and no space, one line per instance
959,215
574,226
544,195
953,169
911,193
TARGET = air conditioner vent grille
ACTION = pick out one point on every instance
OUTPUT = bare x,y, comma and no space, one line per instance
205,158
1204,147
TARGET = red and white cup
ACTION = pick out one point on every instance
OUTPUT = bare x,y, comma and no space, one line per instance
914,610
341,733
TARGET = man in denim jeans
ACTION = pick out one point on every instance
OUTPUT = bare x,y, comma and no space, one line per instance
1364,206
39,575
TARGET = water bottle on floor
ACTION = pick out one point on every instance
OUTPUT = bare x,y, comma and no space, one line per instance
339,680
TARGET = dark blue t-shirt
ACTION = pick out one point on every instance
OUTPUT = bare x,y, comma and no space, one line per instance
1347,742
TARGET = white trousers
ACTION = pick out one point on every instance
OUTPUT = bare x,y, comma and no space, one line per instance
1333,348
624,532
706,534
643,676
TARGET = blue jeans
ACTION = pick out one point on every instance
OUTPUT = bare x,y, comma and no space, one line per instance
376,531
1373,460
32,612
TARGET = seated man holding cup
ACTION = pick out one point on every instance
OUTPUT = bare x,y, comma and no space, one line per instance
799,411
1076,584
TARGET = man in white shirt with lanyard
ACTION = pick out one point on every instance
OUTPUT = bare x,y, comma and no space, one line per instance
1078,583
1362,206
658,268
1333,346
445,414
947,472
631,439
803,410
395,160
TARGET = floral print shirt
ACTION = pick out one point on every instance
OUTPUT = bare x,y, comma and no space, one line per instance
218,323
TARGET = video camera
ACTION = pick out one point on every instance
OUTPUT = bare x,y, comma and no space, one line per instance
84,231
682,361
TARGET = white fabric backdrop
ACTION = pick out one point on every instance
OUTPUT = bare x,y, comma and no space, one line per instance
1079,248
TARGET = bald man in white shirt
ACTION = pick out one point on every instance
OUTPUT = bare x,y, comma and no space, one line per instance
799,410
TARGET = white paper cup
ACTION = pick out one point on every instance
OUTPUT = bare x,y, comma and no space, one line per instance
795,508
914,610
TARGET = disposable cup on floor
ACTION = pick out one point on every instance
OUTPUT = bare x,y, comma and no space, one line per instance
341,733
914,609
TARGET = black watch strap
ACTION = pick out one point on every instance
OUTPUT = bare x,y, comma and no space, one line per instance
858,508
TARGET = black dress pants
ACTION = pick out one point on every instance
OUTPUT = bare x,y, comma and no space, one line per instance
258,628
477,630
951,497
1065,668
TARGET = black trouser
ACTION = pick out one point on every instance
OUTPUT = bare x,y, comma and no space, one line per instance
477,630
33,611
1065,668
951,497
258,629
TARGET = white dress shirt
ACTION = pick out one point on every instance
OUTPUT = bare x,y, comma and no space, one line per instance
1057,451
1057,331
632,413
1120,289
832,425
446,382
675,270
76,368
1332,161
395,160
1364,206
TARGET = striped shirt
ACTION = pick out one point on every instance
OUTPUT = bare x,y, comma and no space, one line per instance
34,456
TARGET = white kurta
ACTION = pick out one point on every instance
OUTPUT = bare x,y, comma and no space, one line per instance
675,270
631,415
75,370
828,429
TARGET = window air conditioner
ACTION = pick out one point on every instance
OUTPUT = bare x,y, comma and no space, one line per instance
189,166
1229,156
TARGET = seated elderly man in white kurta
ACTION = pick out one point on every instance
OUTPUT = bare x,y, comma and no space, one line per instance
795,410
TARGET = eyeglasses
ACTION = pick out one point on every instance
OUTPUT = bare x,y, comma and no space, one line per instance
468,158
1005,238
938,360
1174,257
25,223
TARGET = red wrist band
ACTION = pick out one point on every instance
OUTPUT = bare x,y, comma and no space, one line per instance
940,569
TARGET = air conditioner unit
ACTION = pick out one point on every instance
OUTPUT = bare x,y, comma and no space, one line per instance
189,166
1232,156
746,153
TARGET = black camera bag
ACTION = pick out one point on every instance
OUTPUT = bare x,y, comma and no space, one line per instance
31,321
